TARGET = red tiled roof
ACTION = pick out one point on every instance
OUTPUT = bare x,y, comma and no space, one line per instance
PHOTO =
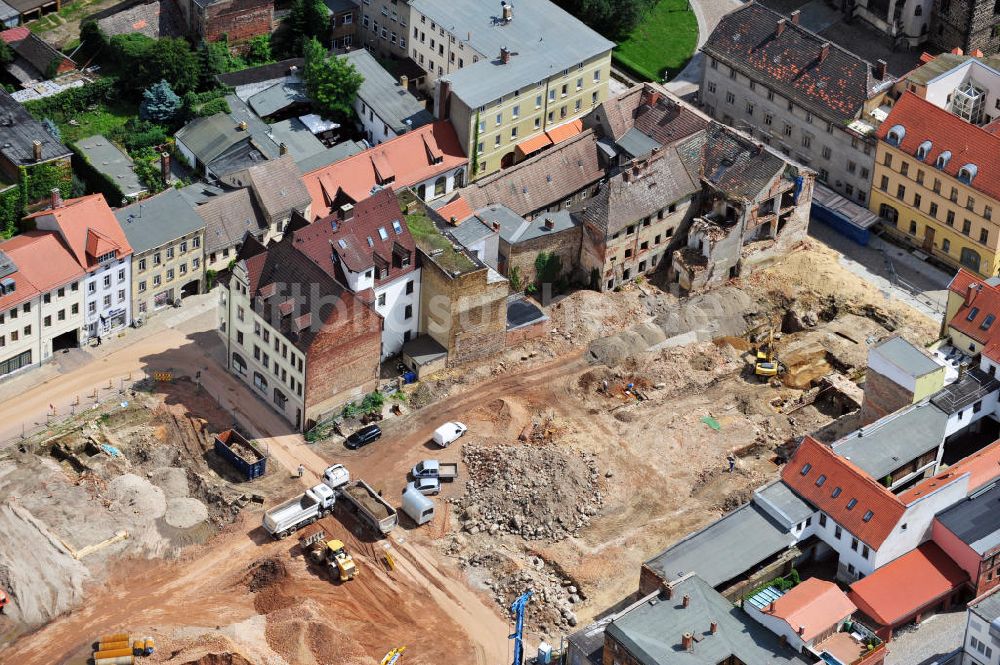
15,34
967,143
907,585
970,318
815,605
534,144
406,159
983,468
813,461
43,263
567,131
87,225
459,209
362,241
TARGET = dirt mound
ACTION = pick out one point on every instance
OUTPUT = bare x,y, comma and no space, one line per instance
220,659
130,493
302,634
264,573
185,512
538,492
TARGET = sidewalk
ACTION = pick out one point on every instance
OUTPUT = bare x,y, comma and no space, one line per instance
708,13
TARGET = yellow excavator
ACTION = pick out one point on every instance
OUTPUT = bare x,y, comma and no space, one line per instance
766,364
332,553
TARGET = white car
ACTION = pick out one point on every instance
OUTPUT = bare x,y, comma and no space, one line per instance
449,433
426,486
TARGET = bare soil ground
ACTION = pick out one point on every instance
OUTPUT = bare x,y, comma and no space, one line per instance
640,473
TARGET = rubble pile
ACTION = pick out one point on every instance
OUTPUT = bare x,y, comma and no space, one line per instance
536,492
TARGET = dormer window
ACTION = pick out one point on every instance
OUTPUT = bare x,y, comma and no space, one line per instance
397,227
967,173
942,160
851,504
820,481
104,258
836,492
895,135
923,149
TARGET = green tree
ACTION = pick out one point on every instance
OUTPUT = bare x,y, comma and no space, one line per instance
331,82
6,53
307,18
259,51
142,61
159,103
612,18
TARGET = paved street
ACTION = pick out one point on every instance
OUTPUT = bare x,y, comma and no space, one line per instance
708,13
915,282
936,638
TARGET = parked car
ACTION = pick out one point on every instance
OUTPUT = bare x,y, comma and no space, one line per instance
448,433
426,486
364,436
431,468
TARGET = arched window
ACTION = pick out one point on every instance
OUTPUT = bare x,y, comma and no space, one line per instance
970,259
239,365
918,10
967,173
888,213
439,186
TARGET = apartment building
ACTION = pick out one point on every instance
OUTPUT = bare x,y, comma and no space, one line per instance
795,91
385,27
41,300
981,642
384,105
368,248
304,343
936,186
168,239
90,231
278,191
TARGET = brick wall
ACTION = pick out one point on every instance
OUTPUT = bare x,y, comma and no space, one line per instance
649,580
882,397
566,244
524,333
967,24
342,363
616,654
238,20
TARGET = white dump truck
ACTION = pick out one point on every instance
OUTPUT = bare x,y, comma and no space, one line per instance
336,476
284,520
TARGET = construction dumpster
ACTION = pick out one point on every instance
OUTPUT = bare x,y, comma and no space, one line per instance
242,453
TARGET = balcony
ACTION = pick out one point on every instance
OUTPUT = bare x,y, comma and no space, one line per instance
853,645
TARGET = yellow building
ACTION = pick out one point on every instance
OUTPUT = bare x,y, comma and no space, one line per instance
936,185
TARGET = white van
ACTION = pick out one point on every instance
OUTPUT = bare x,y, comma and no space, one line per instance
417,506
449,433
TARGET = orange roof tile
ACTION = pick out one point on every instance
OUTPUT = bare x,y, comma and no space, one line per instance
43,263
815,605
459,209
567,131
87,225
907,585
847,494
983,468
408,160
15,34
967,143
534,144
981,302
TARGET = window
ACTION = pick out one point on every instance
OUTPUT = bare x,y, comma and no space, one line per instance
409,287
730,98
768,119
381,300
107,281
516,111
48,321
259,381
787,131
946,246
888,159
806,468
822,519
850,504
408,312
62,315
966,227
826,152
984,236
884,183
806,141
900,192
949,218
904,169
107,301
916,201
749,108
854,544
868,516
820,480
933,210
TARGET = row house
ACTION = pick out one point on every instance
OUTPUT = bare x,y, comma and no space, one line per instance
792,89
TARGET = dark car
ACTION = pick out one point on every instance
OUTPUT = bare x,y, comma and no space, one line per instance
363,437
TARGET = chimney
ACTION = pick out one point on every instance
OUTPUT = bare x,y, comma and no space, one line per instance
795,17
504,55
496,226
802,630
880,69
165,166
37,147
686,600
970,293
282,150
714,626
453,220
957,51
961,370
404,82
824,51
56,195
346,212
687,640
243,125
654,98
976,53
508,13
770,606
780,28
444,98
549,225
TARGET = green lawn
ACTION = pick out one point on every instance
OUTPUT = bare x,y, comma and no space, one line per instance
102,120
662,43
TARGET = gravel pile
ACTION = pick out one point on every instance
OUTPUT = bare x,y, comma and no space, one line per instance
536,492
185,512
135,495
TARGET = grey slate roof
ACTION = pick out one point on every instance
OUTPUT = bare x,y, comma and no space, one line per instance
383,94
890,442
637,144
471,231
329,156
988,608
783,504
17,132
725,549
38,53
545,38
301,143
734,165
515,229
276,184
7,12
269,72
278,97
651,631
905,356
976,520
108,159
835,88
228,218
158,220
340,5
219,142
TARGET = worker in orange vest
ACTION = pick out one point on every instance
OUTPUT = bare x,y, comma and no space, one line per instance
3,600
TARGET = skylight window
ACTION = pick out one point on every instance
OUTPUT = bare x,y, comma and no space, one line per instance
371,243
820,481
396,226
868,516
851,504
836,492
382,234
972,313
806,468
988,321
342,243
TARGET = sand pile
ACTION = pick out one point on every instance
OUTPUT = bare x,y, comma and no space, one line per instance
133,495
185,512
172,480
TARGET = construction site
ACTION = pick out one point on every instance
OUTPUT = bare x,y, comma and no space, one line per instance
635,419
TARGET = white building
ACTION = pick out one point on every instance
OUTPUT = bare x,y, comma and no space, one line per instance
981,645
384,106
91,233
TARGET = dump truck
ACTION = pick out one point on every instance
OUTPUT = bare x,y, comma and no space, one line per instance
370,506
242,453
331,553
292,515
431,468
